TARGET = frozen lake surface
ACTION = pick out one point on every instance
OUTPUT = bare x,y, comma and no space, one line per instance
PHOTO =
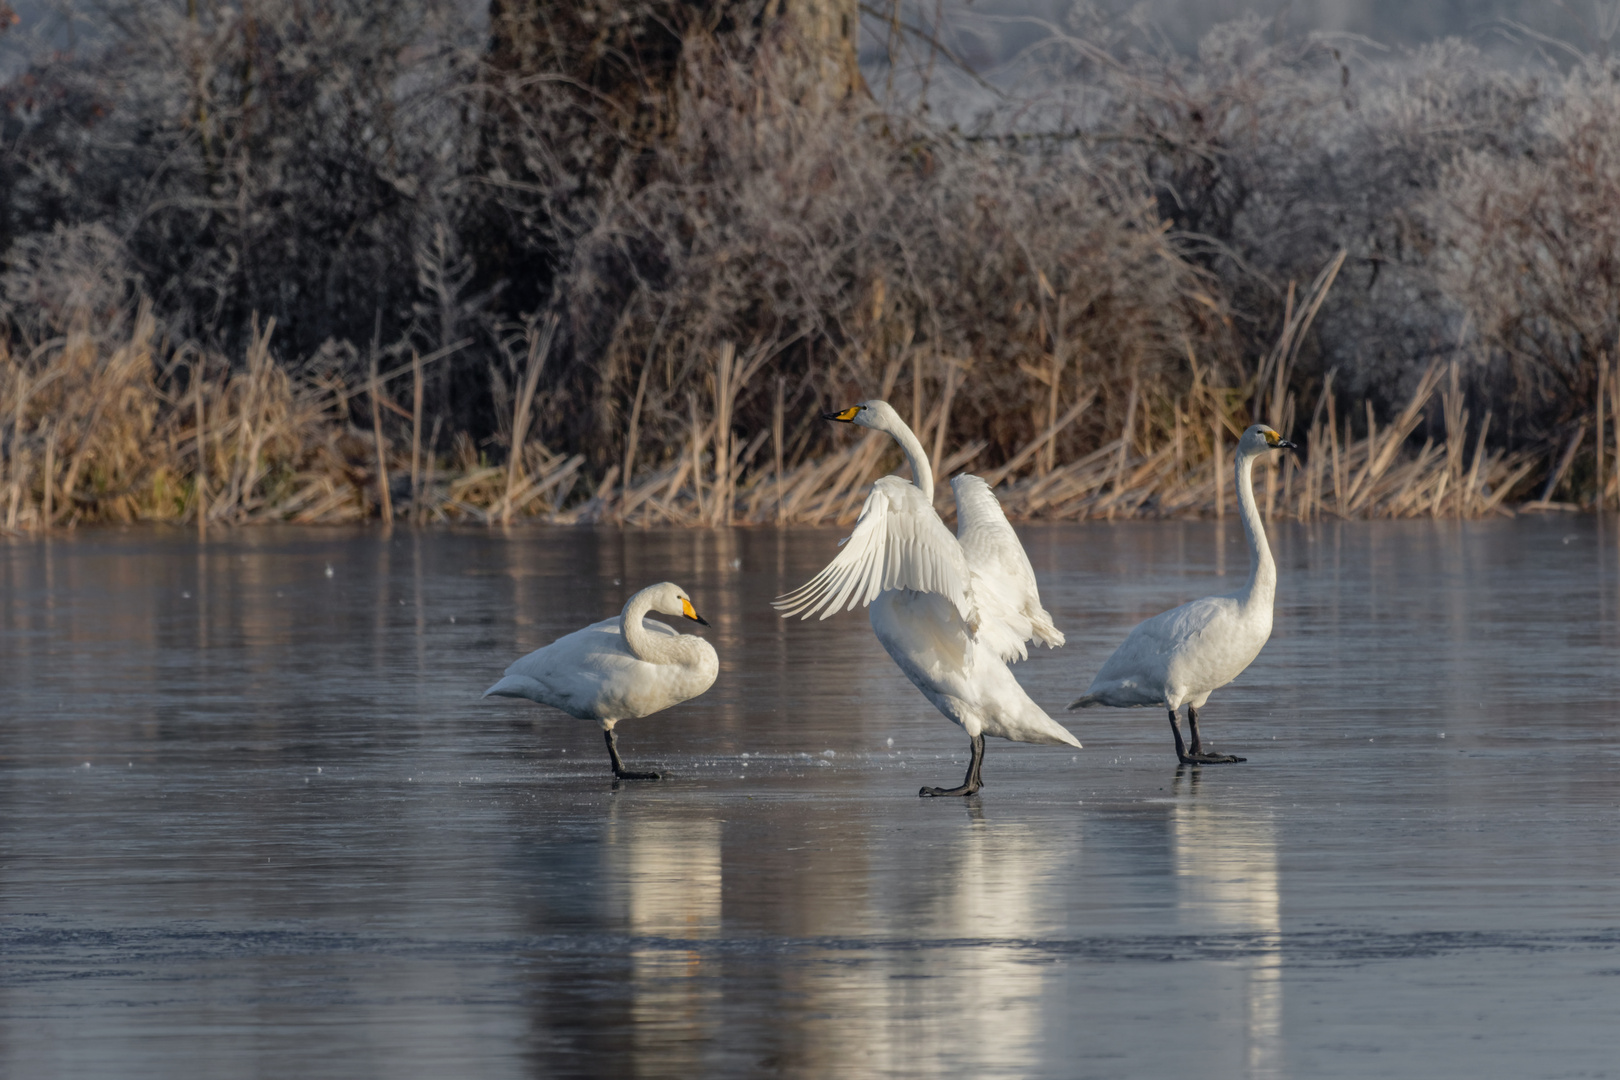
256,820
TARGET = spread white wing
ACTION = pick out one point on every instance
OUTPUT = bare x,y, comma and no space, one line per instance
1001,580
898,543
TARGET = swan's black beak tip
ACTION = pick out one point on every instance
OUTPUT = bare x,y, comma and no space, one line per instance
1284,444
700,620
834,417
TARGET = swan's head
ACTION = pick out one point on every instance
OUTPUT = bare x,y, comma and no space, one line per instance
1259,438
871,414
671,599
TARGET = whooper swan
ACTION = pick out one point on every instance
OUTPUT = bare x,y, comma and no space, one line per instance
952,612
619,669
1185,654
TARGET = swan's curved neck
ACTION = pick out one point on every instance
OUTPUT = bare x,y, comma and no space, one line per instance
916,456
645,645
1262,586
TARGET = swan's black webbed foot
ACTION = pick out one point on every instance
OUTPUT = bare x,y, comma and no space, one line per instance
936,792
1210,759
970,783
1196,755
619,771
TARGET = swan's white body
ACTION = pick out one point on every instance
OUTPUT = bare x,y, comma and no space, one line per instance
621,668
952,611
1183,655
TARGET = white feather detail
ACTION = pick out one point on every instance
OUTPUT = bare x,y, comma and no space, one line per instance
1001,580
898,543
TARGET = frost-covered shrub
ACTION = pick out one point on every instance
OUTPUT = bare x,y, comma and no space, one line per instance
1530,243
290,159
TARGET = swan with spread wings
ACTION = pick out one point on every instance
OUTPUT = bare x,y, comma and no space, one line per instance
952,611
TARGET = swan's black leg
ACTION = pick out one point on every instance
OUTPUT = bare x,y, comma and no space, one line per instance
618,766
1196,755
1181,747
971,782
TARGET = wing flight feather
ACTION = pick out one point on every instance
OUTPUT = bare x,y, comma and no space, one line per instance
898,543
1000,577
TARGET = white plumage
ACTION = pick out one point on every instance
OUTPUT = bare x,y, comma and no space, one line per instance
898,543
621,668
952,611
1183,655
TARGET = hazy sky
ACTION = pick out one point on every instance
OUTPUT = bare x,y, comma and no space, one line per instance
1389,21
986,32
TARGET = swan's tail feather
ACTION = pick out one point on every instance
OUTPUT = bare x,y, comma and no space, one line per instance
1121,694
517,686
1031,724
1062,736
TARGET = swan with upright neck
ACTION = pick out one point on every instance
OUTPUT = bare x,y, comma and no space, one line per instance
621,668
951,611
1183,655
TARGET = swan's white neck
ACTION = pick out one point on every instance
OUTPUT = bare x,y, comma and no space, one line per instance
1262,586
916,457
645,645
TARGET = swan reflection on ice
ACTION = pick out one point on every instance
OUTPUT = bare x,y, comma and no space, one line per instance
965,999
671,876
1227,885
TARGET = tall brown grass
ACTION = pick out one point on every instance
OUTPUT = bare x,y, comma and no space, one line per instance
1166,461
139,430
113,424
1165,458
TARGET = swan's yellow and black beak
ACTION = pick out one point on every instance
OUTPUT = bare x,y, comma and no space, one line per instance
691,612
845,417
1277,442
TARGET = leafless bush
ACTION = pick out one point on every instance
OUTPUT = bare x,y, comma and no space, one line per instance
862,252
1531,244
1445,174
278,158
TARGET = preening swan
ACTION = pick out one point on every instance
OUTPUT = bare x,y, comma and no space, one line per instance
952,611
1185,654
619,669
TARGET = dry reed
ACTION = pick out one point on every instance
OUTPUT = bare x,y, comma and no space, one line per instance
1152,469
118,432
123,432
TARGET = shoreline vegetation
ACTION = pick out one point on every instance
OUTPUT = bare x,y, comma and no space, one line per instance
413,262
110,445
